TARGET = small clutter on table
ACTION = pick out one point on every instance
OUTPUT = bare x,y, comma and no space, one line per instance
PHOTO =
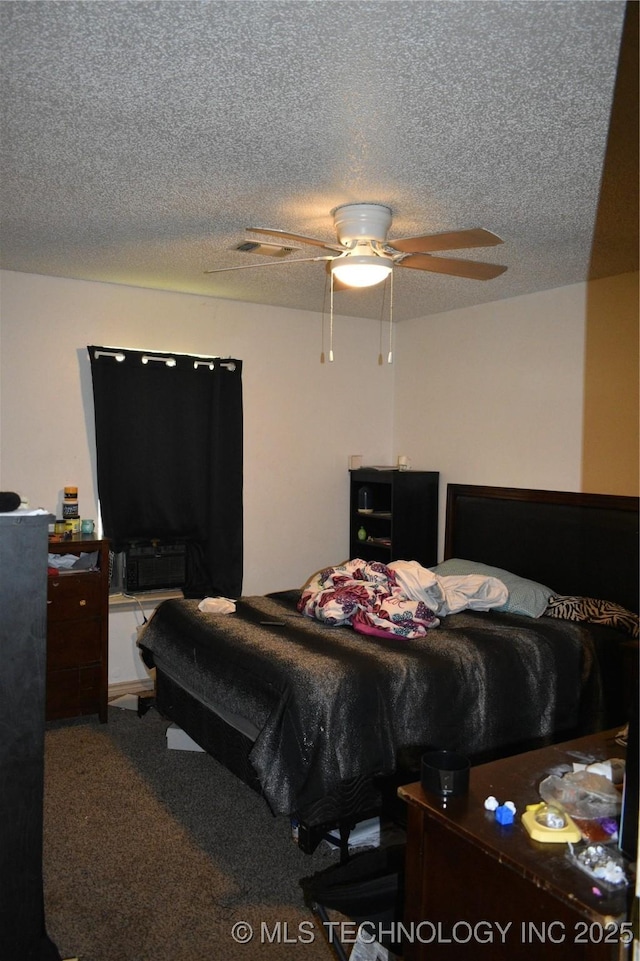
548,823
71,523
581,807
585,794
70,514
601,862
503,813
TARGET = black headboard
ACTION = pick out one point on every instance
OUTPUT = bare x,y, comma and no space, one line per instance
584,544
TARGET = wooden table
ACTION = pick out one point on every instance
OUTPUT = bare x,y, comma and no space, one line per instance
478,889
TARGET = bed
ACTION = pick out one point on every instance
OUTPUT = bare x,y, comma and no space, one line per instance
318,718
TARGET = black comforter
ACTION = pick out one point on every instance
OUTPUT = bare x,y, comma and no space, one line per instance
327,704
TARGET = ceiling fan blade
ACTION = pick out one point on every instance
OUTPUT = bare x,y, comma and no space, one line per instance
269,263
472,269
451,240
283,235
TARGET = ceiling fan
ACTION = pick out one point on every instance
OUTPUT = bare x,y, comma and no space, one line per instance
363,256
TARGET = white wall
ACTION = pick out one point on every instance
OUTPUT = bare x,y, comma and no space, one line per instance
302,418
494,394
487,395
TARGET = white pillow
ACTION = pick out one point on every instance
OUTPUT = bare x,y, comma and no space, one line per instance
525,597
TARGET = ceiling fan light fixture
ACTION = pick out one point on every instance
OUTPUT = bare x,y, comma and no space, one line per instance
361,270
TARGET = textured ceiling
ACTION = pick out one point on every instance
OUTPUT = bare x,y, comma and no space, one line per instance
140,139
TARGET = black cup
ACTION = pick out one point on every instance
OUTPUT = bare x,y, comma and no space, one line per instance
445,773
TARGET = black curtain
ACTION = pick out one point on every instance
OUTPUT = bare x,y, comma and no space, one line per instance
169,458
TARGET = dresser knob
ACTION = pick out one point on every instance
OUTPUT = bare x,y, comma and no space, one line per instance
83,603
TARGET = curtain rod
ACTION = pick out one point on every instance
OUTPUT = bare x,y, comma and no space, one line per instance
211,363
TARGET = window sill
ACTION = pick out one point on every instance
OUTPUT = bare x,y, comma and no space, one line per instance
125,602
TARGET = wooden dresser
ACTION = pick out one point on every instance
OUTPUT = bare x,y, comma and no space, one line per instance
78,632
477,889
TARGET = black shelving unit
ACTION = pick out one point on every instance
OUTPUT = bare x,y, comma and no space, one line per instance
403,522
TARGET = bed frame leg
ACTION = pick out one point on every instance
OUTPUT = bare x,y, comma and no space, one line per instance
310,836
320,913
145,703
345,831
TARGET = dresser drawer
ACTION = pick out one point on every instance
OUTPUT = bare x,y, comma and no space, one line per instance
73,643
74,595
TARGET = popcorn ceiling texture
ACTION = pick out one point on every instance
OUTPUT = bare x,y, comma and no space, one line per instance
139,140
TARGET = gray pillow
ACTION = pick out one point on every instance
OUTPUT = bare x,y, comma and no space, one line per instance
525,597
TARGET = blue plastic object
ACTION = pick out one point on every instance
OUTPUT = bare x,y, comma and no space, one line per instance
504,815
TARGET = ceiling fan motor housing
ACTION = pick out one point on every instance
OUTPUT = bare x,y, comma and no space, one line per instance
362,222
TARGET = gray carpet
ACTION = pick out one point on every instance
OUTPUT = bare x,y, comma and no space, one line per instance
153,854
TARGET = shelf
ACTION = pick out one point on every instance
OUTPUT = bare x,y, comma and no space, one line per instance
371,547
404,519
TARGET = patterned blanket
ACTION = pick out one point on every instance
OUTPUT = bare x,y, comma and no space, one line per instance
400,598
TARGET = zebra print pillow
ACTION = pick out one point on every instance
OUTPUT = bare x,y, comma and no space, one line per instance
595,611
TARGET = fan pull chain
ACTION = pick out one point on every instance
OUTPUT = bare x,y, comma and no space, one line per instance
331,324
390,354
324,314
384,294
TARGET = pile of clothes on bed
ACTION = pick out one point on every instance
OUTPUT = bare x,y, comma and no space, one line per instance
401,598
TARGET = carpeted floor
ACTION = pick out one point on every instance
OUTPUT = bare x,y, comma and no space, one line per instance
153,854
